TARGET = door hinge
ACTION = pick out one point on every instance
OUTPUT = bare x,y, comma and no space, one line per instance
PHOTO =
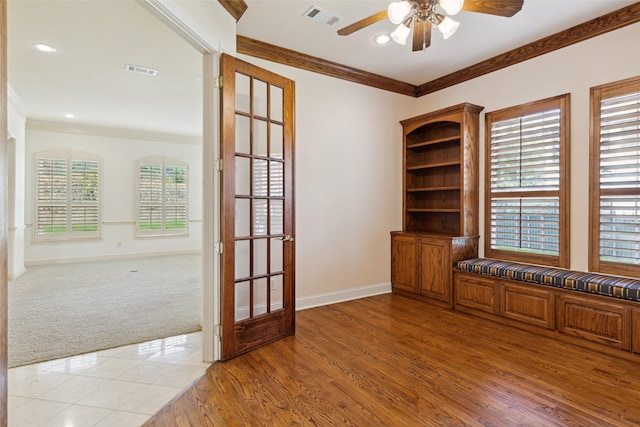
218,247
217,330
218,165
217,82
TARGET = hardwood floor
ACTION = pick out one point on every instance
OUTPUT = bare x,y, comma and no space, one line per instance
392,361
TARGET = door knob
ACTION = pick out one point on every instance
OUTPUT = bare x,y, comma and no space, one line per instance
286,238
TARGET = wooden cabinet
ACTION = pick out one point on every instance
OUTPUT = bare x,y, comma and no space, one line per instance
440,201
422,264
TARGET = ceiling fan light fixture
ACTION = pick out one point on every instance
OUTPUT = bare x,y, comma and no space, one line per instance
400,34
451,6
446,25
398,10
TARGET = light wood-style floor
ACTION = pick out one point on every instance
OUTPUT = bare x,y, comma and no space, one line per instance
392,361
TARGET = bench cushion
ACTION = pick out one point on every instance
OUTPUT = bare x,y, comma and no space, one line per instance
596,283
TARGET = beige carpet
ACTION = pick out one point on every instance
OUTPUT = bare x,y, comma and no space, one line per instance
67,309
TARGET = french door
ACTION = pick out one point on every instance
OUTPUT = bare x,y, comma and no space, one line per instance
257,210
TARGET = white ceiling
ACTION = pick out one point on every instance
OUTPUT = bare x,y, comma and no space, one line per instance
96,38
479,36
87,77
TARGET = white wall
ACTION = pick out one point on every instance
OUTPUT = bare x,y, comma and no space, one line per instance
119,156
574,69
347,184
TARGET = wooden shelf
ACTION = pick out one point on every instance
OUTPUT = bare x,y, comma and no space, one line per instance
434,210
426,189
440,202
434,141
433,165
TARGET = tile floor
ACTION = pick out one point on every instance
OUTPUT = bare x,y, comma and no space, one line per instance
120,387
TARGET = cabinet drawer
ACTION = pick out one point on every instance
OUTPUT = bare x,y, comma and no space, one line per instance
527,305
601,322
476,293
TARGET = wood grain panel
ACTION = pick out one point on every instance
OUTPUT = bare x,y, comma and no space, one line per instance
635,328
236,8
393,361
403,263
4,209
435,268
280,55
532,306
605,323
593,28
477,294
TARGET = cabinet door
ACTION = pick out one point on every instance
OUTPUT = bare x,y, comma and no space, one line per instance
403,263
435,269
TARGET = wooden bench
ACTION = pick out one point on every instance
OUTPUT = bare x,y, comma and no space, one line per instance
591,307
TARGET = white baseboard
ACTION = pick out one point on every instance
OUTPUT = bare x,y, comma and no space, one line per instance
343,295
16,274
110,257
324,299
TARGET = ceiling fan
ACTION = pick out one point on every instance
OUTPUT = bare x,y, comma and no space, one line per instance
421,15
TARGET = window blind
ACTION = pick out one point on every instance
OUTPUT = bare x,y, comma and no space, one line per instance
525,158
162,197
620,179
67,201
525,153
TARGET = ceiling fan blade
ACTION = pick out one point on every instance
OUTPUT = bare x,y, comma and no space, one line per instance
506,8
349,29
421,35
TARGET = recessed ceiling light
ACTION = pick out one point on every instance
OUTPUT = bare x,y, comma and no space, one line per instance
70,116
381,39
43,47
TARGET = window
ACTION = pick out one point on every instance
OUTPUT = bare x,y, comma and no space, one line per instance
67,195
162,197
615,178
526,190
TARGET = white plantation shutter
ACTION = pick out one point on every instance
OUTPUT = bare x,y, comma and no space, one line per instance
51,197
149,197
162,196
525,157
524,212
525,153
67,204
619,174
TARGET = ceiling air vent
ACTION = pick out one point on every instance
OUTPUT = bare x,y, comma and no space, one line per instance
141,70
321,15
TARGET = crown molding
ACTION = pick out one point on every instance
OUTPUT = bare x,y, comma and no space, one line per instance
235,7
80,129
596,27
269,52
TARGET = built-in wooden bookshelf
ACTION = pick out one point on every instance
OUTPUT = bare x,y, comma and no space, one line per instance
440,201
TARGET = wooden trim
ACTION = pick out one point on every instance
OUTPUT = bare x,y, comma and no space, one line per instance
280,55
563,102
597,93
236,8
3,214
593,28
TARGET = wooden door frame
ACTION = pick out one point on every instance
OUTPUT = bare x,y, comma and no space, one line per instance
231,331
